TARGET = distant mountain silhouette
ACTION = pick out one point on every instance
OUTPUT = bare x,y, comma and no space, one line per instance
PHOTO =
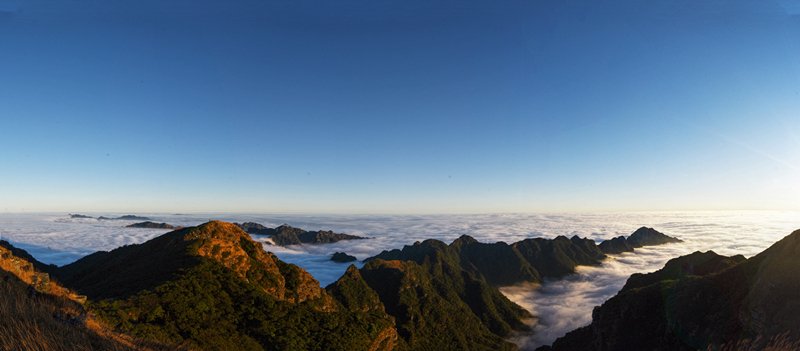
78,216
529,260
342,257
641,237
151,225
285,235
649,237
250,226
125,217
702,301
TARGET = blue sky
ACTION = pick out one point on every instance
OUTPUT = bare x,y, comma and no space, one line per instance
399,106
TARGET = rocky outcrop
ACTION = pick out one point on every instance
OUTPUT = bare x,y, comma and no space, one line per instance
6,249
151,225
701,301
342,257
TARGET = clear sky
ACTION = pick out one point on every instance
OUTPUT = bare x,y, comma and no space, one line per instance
399,106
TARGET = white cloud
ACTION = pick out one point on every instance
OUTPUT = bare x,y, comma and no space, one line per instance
560,305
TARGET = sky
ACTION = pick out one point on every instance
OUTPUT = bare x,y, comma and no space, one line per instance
412,107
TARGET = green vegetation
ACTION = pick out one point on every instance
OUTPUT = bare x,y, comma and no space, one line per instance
500,264
213,288
211,308
50,318
442,292
428,315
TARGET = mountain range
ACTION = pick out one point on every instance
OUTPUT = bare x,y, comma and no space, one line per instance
702,301
212,287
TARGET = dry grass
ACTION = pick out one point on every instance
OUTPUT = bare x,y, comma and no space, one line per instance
776,343
53,321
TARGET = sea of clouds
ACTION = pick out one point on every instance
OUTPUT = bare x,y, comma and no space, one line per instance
560,305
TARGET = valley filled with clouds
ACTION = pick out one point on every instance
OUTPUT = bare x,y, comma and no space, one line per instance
559,305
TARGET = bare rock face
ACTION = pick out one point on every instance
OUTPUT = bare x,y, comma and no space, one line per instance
27,262
41,282
386,340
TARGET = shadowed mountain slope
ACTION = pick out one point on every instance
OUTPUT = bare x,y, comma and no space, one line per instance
529,260
701,301
212,287
430,311
436,271
695,264
500,264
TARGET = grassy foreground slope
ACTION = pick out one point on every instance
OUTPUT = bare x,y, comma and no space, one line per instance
40,315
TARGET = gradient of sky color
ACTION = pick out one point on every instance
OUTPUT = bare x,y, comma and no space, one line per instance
399,106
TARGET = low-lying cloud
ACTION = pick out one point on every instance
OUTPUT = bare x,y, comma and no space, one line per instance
560,306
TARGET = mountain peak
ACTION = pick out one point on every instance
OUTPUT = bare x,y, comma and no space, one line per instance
648,236
216,230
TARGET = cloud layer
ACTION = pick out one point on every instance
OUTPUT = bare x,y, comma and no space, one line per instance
560,306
